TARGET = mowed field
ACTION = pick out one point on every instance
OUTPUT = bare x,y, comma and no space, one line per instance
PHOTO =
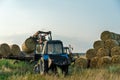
18,70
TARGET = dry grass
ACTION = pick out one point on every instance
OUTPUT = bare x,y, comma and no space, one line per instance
86,74
109,73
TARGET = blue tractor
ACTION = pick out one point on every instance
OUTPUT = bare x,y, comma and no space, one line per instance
51,56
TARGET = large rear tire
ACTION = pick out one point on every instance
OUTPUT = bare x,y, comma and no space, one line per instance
41,67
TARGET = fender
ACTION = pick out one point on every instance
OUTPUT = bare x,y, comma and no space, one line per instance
65,55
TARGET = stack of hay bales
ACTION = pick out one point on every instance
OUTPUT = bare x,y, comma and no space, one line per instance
7,50
29,45
105,51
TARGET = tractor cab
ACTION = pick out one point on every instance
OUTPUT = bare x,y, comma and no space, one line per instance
54,51
53,47
71,56
66,50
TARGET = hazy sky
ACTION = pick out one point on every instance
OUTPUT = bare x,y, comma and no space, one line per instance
75,22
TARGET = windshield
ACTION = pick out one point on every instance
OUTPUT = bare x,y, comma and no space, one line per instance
54,48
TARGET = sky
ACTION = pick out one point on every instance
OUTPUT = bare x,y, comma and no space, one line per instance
75,22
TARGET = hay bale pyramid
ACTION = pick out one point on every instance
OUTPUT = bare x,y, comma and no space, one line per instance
105,51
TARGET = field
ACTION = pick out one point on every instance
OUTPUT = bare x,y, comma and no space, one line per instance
18,70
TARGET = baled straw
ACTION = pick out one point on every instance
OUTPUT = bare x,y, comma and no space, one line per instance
98,44
15,49
81,62
110,43
90,53
4,49
94,62
109,35
116,59
115,51
104,61
102,52
106,35
29,45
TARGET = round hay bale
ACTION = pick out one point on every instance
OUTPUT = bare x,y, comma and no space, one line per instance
104,61
4,49
94,62
98,44
15,49
106,35
109,35
115,51
81,62
110,43
118,42
90,53
117,36
29,45
116,59
102,52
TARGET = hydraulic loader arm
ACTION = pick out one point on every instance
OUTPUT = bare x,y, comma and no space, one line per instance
48,33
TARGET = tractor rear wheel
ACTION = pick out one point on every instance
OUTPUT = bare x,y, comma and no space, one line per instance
41,67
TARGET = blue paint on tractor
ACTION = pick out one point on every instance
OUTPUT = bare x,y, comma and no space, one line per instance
65,55
45,56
